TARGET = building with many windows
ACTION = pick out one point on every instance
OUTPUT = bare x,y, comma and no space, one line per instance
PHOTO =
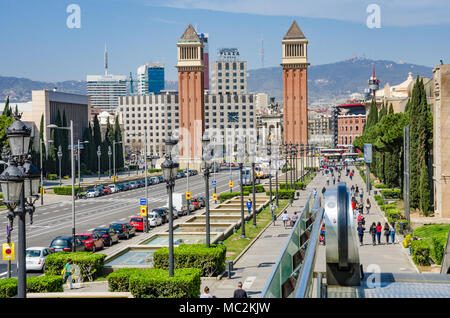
229,73
350,122
104,90
150,78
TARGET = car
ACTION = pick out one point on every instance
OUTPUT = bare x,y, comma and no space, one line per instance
152,180
35,258
92,193
195,172
106,189
195,202
124,229
114,188
174,212
154,219
121,187
202,201
161,179
163,212
180,175
126,186
64,244
100,189
108,235
133,185
156,180
138,223
92,241
360,160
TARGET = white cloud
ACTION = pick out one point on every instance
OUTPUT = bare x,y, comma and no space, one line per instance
393,12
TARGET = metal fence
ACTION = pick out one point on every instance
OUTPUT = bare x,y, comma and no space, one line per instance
284,279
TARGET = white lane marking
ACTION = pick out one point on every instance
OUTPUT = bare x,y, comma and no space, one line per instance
248,282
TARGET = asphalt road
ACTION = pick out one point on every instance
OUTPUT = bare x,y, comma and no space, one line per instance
50,221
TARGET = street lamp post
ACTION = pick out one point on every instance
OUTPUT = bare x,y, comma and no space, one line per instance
206,171
269,154
296,161
252,161
41,142
241,160
59,153
99,154
276,172
170,168
79,161
286,164
301,162
109,161
72,165
291,156
20,187
114,157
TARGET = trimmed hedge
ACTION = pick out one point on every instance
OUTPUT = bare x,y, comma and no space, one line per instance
156,283
52,176
258,188
39,284
8,287
65,190
420,251
154,170
211,261
298,186
382,186
388,206
393,214
226,196
90,264
283,194
437,251
391,194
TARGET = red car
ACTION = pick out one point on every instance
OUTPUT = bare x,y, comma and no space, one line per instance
106,190
138,223
92,241
196,203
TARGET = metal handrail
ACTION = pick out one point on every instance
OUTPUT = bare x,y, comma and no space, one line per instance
306,273
285,248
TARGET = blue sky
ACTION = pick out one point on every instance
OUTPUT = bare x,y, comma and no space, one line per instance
37,44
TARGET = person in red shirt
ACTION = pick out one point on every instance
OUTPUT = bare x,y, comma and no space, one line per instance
378,232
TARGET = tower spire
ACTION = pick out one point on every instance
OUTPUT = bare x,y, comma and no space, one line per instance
106,60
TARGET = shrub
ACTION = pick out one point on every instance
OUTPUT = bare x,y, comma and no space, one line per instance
65,190
283,194
391,194
226,196
393,214
382,186
258,188
437,251
284,169
420,251
90,264
298,186
399,227
8,287
211,261
388,206
52,176
154,170
119,280
155,282
45,284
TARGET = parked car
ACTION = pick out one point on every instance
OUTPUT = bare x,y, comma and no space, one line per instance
114,188
106,190
154,219
120,186
64,244
202,201
163,212
126,186
92,193
195,202
152,180
138,223
161,179
92,241
174,213
180,175
133,185
100,189
124,229
35,258
108,235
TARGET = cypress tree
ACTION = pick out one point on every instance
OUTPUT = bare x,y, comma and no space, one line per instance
119,147
66,159
391,109
6,109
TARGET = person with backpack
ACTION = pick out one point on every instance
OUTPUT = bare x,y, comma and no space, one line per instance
387,232
67,273
360,230
379,233
249,205
373,232
273,208
360,219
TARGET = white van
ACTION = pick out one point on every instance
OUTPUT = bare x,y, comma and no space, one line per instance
179,203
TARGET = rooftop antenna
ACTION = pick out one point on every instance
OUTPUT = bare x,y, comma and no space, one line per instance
106,61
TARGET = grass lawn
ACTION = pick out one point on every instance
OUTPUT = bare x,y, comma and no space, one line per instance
235,244
439,231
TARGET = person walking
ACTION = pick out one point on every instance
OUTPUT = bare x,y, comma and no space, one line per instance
373,232
315,192
334,180
273,208
249,206
392,232
206,293
294,219
67,273
351,176
379,233
368,205
360,230
323,190
239,292
353,205
387,232
285,218
328,180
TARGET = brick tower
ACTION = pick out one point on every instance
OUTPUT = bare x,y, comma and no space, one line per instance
190,97
295,86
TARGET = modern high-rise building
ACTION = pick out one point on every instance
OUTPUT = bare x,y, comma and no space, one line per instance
228,73
104,90
150,78
204,38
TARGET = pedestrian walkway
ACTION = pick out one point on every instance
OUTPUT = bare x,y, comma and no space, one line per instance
254,266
